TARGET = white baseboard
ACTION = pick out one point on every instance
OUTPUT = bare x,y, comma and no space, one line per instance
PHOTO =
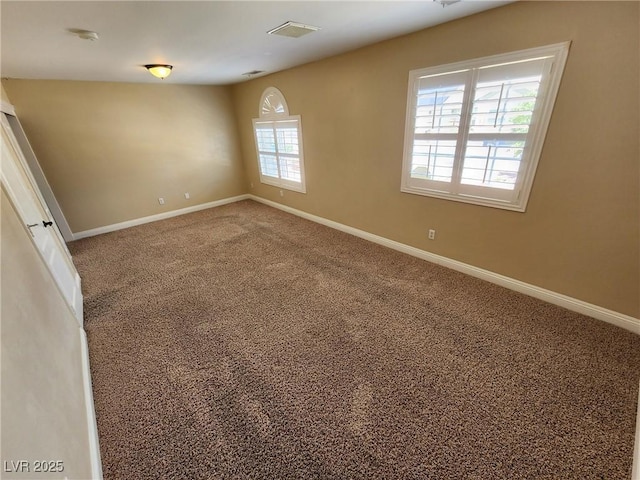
154,218
619,319
635,473
92,427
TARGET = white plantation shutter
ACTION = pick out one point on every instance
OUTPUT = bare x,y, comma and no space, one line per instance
475,129
273,103
279,144
438,111
501,118
267,152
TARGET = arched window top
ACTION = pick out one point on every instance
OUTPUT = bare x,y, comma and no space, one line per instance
278,137
273,103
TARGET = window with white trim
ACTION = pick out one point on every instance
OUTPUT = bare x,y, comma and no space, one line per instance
475,129
278,138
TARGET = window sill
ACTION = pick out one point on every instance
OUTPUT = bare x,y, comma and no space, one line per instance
483,202
284,185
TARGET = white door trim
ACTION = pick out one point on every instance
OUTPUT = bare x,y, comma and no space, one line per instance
40,178
6,107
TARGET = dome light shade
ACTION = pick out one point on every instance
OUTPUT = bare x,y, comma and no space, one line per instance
160,71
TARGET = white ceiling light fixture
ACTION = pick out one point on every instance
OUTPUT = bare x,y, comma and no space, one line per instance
159,70
293,29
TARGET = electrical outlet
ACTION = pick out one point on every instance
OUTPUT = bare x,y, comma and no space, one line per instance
251,184
187,196
432,234
281,193
161,201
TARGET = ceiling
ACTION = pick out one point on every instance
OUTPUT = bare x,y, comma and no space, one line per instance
207,42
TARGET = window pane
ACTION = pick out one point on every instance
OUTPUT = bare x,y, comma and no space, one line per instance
273,103
279,149
433,159
492,163
266,140
438,109
290,169
287,140
268,165
504,106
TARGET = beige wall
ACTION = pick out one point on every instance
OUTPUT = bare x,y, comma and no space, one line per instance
580,233
43,404
109,150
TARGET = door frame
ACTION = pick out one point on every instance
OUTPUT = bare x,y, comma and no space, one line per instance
23,192
44,189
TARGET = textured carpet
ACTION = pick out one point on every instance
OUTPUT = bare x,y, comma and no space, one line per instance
244,343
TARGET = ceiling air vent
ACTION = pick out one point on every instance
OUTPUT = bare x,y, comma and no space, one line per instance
253,73
293,29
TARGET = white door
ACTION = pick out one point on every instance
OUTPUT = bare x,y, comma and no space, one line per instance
49,199
23,192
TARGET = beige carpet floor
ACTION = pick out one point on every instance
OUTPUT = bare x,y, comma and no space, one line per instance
244,343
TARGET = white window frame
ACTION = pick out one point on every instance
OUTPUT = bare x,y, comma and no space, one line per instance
274,114
553,65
